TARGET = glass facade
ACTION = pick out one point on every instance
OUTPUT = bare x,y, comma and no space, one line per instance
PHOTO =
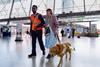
21,7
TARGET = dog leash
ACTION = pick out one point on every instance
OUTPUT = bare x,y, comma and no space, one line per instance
58,38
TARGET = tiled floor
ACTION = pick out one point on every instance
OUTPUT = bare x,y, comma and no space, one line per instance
15,54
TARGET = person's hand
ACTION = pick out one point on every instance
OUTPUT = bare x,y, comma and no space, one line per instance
30,34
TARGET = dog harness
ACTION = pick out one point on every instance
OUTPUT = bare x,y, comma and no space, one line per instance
64,50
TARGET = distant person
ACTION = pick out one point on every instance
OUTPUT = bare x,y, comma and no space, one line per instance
62,32
73,31
68,31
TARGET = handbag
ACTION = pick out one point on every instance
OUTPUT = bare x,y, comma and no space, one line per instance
47,30
50,39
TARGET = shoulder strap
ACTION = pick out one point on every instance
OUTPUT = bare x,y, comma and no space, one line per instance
37,15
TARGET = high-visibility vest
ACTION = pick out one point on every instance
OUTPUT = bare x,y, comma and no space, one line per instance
35,21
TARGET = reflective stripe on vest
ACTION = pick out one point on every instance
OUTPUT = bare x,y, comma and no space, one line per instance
35,21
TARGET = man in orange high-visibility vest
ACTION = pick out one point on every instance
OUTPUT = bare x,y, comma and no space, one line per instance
37,23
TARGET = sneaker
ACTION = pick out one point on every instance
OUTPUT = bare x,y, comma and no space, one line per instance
31,55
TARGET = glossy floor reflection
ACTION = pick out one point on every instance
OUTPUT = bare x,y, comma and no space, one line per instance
15,54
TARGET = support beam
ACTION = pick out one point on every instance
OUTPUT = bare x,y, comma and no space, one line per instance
84,5
14,19
89,26
30,7
88,13
63,6
54,6
59,16
11,11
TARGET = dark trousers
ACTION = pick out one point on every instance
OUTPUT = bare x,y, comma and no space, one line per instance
35,35
62,34
73,33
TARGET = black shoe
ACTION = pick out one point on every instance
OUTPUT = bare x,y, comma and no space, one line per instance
68,36
43,52
78,36
48,56
31,55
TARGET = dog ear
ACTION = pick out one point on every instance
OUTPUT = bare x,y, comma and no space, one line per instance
69,44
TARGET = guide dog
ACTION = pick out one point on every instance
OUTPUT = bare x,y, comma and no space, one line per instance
61,50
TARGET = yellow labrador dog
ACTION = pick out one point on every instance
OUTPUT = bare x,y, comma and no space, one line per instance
61,50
